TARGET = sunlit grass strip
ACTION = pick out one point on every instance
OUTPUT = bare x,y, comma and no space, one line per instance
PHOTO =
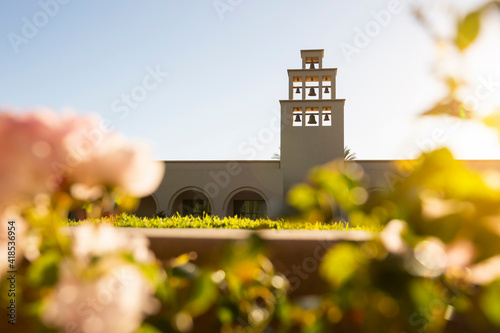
215,222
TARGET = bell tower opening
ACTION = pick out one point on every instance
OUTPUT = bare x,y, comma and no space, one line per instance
312,119
312,82
312,59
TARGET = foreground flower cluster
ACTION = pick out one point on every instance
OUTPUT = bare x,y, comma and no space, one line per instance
98,289
91,280
45,153
97,278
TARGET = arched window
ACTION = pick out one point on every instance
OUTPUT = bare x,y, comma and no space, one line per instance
247,204
192,202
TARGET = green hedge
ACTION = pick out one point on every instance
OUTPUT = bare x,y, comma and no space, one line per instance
215,222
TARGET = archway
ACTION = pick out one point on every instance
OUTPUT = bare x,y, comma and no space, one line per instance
247,203
191,201
147,207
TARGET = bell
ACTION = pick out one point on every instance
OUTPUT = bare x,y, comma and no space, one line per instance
327,90
297,91
312,120
312,92
312,66
327,117
297,118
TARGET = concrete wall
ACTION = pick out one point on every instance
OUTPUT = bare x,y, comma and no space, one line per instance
382,174
220,181
303,147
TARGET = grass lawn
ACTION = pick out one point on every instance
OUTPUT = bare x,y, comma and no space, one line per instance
214,222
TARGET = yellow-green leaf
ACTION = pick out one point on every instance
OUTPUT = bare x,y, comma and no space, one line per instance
490,302
202,297
493,121
302,197
44,271
450,107
340,263
468,30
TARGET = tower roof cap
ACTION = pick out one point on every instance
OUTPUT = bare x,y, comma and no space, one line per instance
312,53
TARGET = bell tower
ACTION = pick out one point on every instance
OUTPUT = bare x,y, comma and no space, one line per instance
312,119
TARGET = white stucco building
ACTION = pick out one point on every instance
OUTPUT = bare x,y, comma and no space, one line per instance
312,133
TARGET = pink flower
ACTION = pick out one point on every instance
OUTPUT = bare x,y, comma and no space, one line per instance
428,260
96,241
116,301
391,237
43,152
486,271
117,162
29,143
460,253
110,294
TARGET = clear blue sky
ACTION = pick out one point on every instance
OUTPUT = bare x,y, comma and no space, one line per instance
227,71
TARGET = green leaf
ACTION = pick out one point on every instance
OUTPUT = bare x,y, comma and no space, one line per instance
44,271
422,294
147,328
468,30
340,263
225,315
187,270
490,302
203,296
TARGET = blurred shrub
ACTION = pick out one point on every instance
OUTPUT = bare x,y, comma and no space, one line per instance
433,263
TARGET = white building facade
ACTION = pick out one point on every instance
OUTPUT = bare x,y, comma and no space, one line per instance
312,134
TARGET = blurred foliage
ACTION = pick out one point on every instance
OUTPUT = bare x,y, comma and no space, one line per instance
330,187
434,267
441,222
467,29
241,294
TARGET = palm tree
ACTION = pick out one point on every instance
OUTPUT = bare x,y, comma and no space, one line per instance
276,156
348,154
